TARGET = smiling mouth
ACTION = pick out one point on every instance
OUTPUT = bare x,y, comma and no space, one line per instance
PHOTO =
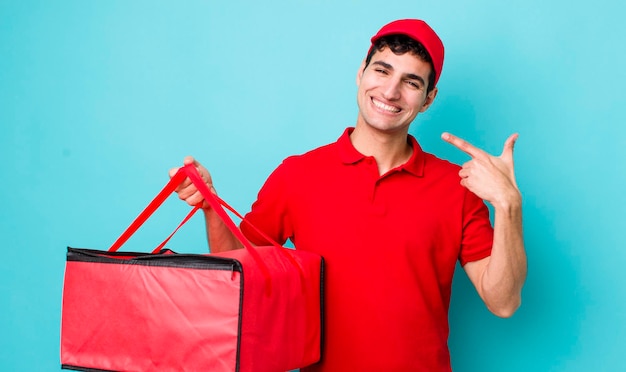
385,107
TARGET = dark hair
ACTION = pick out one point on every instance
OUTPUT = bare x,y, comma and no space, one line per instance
400,44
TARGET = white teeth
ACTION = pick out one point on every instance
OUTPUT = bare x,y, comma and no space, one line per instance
385,107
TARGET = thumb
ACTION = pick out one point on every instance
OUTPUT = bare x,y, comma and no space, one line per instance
189,160
509,144
204,173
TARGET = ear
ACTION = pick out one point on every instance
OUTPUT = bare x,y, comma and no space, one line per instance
359,73
430,98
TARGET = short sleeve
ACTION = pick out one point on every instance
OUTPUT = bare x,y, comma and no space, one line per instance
477,235
269,213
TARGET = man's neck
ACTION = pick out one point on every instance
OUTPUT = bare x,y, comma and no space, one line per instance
389,149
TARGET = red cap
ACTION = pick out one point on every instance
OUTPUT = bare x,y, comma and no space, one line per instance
420,31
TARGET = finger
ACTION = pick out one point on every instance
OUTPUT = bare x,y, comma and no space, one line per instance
173,172
186,190
191,198
463,145
186,182
189,160
464,182
195,199
468,164
204,173
509,144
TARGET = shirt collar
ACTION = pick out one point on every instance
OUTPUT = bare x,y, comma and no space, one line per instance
350,155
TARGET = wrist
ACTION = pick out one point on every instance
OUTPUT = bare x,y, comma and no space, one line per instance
205,205
509,203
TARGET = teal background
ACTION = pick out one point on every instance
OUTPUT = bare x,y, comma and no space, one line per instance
98,99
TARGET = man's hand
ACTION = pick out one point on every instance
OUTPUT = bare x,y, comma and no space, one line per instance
187,191
500,277
219,236
491,178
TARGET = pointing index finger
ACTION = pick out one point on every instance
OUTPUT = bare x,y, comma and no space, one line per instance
462,145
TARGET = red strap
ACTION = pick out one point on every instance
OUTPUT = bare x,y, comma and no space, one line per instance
211,198
178,178
193,211
216,203
282,250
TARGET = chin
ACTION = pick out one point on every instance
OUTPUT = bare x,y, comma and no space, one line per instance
390,128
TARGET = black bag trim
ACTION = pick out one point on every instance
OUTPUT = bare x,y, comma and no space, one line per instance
189,261
239,324
75,368
322,301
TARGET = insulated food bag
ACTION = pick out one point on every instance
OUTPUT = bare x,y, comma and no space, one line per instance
252,309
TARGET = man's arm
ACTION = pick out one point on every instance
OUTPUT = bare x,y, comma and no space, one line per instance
219,236
499,278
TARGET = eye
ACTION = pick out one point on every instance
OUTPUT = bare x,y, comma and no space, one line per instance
381,71
414,84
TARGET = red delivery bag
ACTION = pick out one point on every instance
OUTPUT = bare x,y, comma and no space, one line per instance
252,309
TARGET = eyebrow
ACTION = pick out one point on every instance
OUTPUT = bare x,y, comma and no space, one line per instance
390,67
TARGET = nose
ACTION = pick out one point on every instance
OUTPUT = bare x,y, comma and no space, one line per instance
391,89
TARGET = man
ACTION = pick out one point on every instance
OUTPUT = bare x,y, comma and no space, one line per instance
390,220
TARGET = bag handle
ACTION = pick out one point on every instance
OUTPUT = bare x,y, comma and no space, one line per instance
184,221
216,203
169,188
191,172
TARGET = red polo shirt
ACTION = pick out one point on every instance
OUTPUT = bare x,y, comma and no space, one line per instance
390,244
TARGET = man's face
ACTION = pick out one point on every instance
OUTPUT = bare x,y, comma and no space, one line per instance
392,91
